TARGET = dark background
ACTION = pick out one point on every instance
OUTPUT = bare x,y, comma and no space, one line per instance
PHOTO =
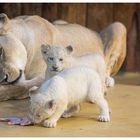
92,15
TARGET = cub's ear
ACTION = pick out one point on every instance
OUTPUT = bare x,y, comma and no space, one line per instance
3,23
50,104
45,48
2,54
69,49
33,91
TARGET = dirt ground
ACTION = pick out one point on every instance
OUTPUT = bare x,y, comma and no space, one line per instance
124,101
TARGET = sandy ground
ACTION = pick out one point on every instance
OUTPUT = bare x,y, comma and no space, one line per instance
124,101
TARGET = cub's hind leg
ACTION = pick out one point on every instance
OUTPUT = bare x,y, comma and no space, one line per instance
104,110
96,95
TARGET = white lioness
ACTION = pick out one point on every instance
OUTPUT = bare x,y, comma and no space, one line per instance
21,59
56,97
59,58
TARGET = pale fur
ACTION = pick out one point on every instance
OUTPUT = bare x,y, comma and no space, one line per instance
63,58
66,90
27,33
60,22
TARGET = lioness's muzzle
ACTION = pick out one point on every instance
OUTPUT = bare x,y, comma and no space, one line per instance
5,80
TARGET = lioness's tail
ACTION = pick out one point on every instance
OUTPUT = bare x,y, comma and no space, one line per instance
114,41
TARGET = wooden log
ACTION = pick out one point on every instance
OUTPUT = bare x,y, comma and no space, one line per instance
133,49
137,51
138,38
1,7
74,13
99,16
12,9
124,12
31,9
49,11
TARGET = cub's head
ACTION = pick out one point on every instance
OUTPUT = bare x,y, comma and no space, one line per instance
56,57
40,107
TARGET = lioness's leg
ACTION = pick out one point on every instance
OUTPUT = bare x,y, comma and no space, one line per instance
18,90
30,83
13,92
114,40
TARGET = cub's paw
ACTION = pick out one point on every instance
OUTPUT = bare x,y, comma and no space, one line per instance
66,115
104,118
110,82
49,123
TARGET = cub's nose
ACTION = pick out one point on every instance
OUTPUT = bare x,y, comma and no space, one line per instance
54,67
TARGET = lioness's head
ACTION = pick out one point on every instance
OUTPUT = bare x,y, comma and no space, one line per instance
56,57
40,107
13,56
8,72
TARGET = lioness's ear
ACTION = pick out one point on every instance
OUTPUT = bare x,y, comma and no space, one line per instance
33,90
3,23
1,54
45,48
69,49
50,104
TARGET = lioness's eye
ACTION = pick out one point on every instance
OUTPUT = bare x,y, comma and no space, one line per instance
60,59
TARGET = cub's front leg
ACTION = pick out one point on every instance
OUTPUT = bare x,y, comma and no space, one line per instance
71,111
52,121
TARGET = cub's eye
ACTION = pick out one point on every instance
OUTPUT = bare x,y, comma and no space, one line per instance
50,58
60,59
44,52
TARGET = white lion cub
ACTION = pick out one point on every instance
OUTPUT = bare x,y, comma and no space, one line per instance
62,94
59,58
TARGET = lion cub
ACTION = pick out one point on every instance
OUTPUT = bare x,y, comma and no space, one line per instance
62,94
59,58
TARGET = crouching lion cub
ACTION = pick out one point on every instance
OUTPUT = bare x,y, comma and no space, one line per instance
58,58
59,95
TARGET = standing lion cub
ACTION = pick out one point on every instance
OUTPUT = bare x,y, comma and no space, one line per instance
59,58
62,94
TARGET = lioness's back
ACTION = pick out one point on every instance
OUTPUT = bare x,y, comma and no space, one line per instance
75,34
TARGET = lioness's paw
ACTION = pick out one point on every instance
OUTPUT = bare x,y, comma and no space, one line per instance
104,118
49,123
110,82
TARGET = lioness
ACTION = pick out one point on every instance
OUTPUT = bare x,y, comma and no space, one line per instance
21,63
